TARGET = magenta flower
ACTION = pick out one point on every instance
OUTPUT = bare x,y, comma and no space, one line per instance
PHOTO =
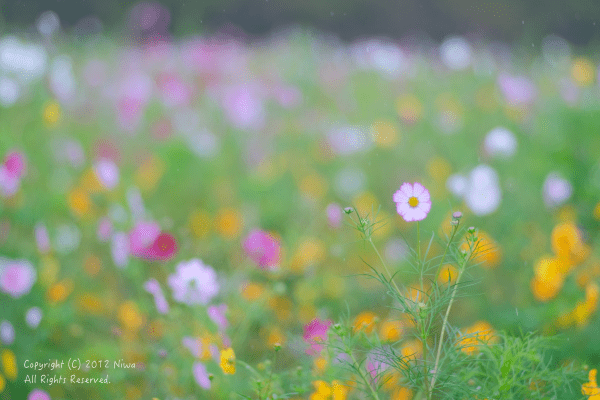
201,375
412,201
17,278
148,242
262,248
315,333
14,162
38,394
153,287
194,283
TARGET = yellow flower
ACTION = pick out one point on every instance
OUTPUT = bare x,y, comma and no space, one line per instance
548,279
51,114
79,201
448,274
324,391
487,252
228,361
60,291
567,245
9,364
229,223
391,330
385,134
402,394
582,71
310,251
2,383
476,334
364,321
149,173
130,317
252,291
591,388
200,223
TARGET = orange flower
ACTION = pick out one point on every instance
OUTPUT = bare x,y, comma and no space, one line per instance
364,321
591,388
476,334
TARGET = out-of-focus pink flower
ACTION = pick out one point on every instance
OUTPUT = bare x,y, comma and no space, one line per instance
148,242
107,172
17,277
201,375
41,238
104,229
14,162
142,236
153,287
162,129
193,345
173,90
334,215
517,89
11,172
243,106
217,314
315,333
38,394
7,333
262,248
556,190
288,96
194,283
119,248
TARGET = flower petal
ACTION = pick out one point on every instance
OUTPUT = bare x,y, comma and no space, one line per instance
400,197
407,189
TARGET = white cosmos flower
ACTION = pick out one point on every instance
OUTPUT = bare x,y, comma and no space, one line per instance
412,201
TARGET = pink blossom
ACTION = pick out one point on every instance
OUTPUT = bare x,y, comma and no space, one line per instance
41,238
315,333
142,237
174,91
14,162
153,287
104,229
217,314
16,278
517,89
107,172
334,215
38,394
243,106
194,283
262,248
413,202
201,375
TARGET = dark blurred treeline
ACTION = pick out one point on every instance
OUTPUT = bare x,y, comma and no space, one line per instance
512,20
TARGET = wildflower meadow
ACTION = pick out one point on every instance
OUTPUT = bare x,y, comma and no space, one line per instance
297,217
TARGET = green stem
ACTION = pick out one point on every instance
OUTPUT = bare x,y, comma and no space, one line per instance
439,349
365,380
270,377
454,230
385,266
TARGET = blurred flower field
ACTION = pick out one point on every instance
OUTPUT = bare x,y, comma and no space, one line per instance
177,207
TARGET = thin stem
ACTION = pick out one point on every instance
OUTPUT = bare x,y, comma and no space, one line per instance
454,230
419,253
384,266
270,376
439,349
364,378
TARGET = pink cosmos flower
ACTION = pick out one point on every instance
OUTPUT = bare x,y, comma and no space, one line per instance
14,162
217,314
262,248
148,242
334,215
194,283
201,375
38,394
517,89
16,278
104,229
153,287
107,172
315,333
41,238
412,201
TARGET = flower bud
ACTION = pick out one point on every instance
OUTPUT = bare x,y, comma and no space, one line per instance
457,215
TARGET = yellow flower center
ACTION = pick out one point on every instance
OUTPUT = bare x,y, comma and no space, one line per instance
413,202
